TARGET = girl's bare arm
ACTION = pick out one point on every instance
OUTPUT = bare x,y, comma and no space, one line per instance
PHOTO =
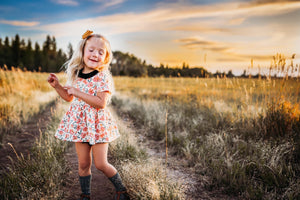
53,81
98,101
63,93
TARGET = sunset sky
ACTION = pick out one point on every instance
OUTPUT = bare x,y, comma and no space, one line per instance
217,34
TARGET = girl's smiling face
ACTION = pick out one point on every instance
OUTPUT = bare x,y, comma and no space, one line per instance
94,54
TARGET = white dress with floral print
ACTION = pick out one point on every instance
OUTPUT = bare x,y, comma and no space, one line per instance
84,123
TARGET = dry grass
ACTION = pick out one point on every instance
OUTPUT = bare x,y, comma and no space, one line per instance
242,133
41,175
144,177
243,96
23,94
223,127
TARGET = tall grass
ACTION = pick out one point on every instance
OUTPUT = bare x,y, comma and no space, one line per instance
144,177
246,140
23,95
41,174
247,96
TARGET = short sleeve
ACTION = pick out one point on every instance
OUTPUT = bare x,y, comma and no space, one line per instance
105,83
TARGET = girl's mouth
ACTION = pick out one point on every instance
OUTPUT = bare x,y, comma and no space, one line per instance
93,60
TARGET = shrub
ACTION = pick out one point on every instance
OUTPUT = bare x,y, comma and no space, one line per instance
281,120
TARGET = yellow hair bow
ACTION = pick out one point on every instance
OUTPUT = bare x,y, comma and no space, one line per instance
86,34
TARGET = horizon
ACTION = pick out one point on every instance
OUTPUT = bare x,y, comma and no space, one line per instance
217,35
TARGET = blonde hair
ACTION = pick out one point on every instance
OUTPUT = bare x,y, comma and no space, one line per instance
76,62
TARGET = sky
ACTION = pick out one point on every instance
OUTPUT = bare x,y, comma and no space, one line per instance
218,35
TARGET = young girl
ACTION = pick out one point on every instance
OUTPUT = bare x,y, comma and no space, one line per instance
87,122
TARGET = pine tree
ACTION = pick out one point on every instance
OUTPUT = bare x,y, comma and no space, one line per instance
2,61
8,60
70,51
38,56
46,50
29,56
16,51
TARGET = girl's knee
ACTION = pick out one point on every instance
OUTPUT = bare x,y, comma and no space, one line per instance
101,166
84,165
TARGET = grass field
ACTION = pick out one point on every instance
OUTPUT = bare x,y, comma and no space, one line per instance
23,94
42,175
242,133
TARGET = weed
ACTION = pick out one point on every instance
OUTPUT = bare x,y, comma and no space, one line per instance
39,175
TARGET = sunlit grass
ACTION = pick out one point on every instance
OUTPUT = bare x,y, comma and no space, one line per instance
42,174
145,178
248,96
242,133
23,94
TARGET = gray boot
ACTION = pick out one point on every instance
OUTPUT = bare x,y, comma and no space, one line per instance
85,184
121,193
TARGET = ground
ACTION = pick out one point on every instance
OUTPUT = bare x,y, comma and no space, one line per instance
102,188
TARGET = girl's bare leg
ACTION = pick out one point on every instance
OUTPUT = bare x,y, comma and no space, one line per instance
100,159
84,158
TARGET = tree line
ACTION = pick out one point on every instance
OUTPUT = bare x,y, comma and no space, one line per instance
125,64
20,54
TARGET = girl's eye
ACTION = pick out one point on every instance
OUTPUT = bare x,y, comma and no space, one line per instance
101,52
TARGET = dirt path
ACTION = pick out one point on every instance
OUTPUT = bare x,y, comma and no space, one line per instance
177,170
24,138
101,189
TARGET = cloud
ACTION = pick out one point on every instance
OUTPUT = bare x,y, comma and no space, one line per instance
165,16
227,50
19,23
107,3
112,3
66,2
259,2
237,21
193,43
180,10
197,28
212,22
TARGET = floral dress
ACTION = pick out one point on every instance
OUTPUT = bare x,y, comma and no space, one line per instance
84,123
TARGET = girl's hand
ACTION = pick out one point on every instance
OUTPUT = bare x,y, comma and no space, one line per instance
53,80
71,90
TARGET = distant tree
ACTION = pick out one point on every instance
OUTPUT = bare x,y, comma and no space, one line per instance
60,60
2,61
229,74
29,56
124,64
16,56
46,50
70,51
8,59
244,75
38,57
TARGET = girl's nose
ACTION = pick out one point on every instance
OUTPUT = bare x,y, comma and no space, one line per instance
95,54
